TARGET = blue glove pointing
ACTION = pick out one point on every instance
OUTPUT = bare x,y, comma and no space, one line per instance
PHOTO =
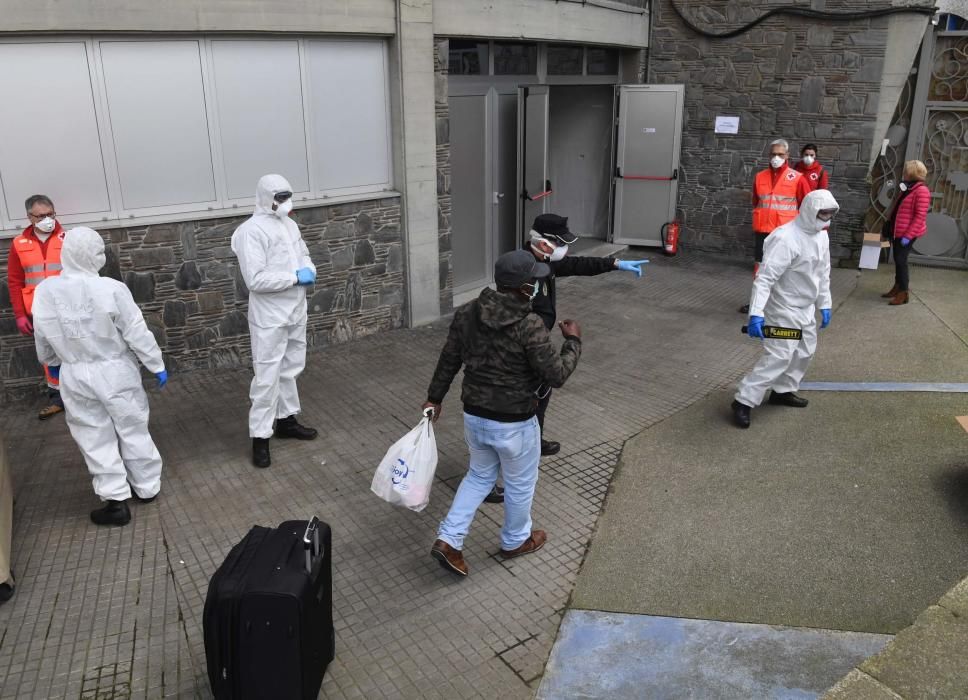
305,275
632,266
162,377
905,241
755,327
54,371
825,318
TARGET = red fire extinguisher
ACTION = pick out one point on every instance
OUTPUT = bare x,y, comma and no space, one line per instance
670,237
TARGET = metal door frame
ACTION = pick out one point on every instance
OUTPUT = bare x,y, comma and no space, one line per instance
615,232
920,117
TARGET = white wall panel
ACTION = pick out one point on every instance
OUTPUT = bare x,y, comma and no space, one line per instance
260,113
156,103
348,88
49,141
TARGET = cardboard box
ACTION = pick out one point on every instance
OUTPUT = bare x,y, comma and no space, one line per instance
872,239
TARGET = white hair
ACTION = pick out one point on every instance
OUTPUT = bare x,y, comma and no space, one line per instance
780,142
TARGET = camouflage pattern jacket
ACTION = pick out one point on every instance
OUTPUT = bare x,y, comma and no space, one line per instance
507,354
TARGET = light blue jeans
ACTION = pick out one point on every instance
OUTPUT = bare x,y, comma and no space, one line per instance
514,450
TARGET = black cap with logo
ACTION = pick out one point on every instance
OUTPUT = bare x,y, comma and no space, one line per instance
554,228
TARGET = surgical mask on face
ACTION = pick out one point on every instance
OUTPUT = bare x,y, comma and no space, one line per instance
282,210
559,252
45,225
809,160
534,290
822,225
777,161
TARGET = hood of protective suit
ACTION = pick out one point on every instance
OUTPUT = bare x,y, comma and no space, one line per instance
500,309
814,203
83,252
268,187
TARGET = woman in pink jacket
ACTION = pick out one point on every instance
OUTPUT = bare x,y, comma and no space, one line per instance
908,222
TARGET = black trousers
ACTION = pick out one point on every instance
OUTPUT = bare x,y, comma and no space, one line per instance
542,407
901,275
758,240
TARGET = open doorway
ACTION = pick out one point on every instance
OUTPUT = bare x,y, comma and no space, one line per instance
580,141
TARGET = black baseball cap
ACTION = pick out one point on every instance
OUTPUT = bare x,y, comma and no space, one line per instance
517,268
554,228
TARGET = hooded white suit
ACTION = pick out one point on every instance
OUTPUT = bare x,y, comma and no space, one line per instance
270,250
793,281
91,327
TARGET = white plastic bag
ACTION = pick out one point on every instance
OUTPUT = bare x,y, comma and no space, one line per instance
406,473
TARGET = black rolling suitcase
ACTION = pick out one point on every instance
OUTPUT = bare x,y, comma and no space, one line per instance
268,619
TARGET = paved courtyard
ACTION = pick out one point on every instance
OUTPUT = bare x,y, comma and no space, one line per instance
117,613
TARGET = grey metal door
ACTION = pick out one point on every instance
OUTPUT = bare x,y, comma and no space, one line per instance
505,169
472,256
646,161
534,187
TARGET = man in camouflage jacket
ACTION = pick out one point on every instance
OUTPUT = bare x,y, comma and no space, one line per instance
507,354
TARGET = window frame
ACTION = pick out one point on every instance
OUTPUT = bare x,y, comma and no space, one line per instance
11,223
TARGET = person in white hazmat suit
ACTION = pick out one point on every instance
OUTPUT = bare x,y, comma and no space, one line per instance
91,334
793,282
276,267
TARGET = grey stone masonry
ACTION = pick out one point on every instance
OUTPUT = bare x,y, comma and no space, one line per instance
186,280
442,114
803,80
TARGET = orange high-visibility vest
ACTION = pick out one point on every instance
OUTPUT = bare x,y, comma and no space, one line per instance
775,204
36,266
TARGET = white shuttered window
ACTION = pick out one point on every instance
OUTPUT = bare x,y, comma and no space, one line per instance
116,129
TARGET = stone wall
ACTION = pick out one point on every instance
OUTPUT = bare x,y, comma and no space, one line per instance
186,280
442,118
789,77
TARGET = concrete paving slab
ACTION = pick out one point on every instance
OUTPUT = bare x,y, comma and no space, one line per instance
857,685
619,657
845,515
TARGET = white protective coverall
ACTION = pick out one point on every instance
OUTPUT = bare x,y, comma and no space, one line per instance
91,327
270,250
793,281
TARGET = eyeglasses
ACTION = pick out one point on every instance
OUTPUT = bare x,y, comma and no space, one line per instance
41,216
826,214
282,196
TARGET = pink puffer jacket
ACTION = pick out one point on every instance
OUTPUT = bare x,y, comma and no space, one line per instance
910,221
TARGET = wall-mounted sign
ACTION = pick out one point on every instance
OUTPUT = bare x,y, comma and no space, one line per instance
727,125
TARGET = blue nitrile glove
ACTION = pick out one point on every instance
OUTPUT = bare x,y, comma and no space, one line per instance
162,377
632,266
305,275
54,371
825,318
905,241
755,327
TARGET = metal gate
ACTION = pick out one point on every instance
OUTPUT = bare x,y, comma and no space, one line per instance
939,138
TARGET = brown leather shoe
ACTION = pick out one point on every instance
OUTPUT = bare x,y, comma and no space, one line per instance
532,544
901,298
50,411
449,558
891,294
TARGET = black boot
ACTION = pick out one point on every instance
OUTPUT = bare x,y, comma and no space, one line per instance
495,496
741,414
290,428
550,447
113,513
260,452
787,399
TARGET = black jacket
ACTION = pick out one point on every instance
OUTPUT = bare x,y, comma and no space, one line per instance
506,353
569,266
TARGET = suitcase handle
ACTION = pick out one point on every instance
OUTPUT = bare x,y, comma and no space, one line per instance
311,543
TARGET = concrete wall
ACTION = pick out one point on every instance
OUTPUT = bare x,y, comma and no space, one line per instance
609,23
185,278
331,16
788,77
442,117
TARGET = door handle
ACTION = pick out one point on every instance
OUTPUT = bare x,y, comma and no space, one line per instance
496,197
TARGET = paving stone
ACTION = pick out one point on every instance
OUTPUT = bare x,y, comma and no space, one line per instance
118,612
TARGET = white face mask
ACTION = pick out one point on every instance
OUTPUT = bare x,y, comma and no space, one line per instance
822,225
808,160
559,252
45,225
535,286
282,210
777,161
